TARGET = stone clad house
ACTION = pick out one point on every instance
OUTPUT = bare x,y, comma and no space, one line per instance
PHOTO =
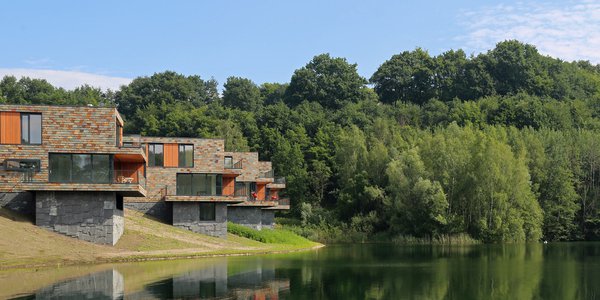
69,168
73,169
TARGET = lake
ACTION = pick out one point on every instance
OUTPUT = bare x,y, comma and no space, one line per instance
358,271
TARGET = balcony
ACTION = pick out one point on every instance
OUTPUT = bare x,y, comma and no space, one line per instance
277,184
229,164
280,204
267,174
129,183
132,141
172,196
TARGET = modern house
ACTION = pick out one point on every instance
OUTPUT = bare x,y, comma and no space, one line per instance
194,184
69,167
72,167
263,189
190,183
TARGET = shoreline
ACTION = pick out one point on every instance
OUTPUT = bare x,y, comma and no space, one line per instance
145,258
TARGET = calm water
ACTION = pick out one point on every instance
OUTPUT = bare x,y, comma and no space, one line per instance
375,271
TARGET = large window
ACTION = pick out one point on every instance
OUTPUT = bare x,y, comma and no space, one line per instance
31,129
199,184
156,156
80,168
186,156
207,211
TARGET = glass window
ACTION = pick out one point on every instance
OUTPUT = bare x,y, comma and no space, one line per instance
156,155
200,184
80,168
101,168
186,156
31,128
184,184
207,211
60,167
228,162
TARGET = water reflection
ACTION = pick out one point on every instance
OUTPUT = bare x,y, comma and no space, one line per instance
556,271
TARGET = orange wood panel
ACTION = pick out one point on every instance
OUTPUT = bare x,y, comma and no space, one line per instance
260,191
171,155
228,186
10,127
120,136
147,154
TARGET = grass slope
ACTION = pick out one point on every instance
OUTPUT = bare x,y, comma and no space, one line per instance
22,244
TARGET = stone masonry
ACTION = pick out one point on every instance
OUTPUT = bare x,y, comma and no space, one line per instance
89,216
186,215
251,216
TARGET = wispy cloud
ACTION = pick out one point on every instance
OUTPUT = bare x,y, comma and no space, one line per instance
569,30
68,79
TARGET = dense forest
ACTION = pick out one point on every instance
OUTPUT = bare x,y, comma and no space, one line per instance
501,146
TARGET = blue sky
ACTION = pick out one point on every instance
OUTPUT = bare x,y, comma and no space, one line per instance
106,43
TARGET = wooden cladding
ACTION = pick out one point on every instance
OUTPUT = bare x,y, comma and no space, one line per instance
260,191
10,127
171,155
228,186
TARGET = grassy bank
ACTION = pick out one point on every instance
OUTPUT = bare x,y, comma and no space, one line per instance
25,245
343,233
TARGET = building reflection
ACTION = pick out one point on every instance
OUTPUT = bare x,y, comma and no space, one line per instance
210,281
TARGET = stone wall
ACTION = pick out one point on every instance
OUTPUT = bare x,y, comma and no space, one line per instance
21,202
250,163
249,216
107,284
161,210
208,158
73,129
268,218
186,215
89,216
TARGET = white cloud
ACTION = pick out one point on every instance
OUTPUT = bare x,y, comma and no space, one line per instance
570,30
68,79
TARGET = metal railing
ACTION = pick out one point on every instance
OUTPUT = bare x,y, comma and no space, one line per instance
132,141
124,176
279,180
267,174
283,201
232,165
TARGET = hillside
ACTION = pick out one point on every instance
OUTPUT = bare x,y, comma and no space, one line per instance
25,245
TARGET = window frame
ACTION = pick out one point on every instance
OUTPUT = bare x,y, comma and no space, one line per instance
218,184
152,156
28,115
37,169
181,156
111,168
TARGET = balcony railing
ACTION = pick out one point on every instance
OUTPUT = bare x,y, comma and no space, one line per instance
132,141
123,176
284,201
279,180
118,177
232,165
267,174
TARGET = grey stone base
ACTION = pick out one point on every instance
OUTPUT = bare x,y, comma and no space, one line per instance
160,210
252,217
89,216
186,215
21,202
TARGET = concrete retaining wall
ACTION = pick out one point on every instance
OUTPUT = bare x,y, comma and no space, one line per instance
89,216
186,215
